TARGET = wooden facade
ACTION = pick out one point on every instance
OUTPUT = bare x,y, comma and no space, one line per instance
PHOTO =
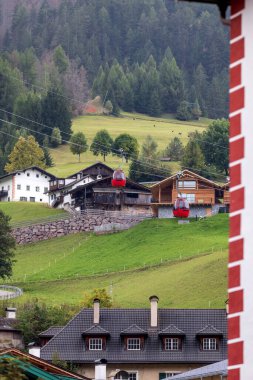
198,190
100,194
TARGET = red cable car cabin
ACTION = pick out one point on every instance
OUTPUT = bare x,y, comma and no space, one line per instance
118,178
181,208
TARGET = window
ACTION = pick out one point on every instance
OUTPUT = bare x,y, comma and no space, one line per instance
8,187
32,199
190,198
133,344
18,187
28,174
164,375
95,344
37,175
171,344
132,375
209,344
132,195
28,187
37,188
187,184
23,199
45,189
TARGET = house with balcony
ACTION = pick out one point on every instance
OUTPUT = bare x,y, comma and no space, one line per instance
148,344
60,189
27,185
100,194
204,196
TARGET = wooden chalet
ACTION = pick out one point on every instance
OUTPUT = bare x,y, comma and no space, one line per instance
203,195
101,194
98,170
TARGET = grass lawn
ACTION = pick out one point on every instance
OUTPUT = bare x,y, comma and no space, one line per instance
26,211
197,283
161,129
145,246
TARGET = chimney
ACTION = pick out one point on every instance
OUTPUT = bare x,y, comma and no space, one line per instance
100,369
11,312
153,306
96,310
34,349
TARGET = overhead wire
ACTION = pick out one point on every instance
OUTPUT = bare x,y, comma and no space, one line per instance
132,158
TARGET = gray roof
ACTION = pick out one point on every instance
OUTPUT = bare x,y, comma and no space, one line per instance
96,330
209,330
171,330
219,368
52,331
8,324
70,344
133,330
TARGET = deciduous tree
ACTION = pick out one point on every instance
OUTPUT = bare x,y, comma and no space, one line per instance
102,143
126,145
78,144
26,153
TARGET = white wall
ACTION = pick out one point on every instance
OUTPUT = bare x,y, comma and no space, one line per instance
28,185
6,184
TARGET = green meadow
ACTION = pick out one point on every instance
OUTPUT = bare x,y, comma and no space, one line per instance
135,260
139,126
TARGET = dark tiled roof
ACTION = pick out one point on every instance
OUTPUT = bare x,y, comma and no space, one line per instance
8,324
219,368
133,330
52,331
96,330
171,330
70,344
209,330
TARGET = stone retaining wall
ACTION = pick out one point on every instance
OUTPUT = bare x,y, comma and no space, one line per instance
72,225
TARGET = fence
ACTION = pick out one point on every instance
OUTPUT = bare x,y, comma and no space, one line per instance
8,292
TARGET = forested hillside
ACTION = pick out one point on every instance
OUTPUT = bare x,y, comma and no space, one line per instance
147,56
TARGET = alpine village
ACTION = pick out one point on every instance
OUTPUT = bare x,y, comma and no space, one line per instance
114,189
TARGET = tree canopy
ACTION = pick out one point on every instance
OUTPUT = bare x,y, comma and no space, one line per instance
7,245
26,153
78,144
126,145
102,143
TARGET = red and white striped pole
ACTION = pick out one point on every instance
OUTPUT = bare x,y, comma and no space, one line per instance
240,320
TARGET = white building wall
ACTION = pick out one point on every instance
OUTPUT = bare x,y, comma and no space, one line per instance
6,184
29,185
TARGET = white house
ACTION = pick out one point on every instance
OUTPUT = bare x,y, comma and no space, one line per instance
59,189
27,185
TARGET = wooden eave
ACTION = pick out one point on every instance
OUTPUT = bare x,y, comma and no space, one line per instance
192,175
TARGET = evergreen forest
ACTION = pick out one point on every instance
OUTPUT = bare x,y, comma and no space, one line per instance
148,56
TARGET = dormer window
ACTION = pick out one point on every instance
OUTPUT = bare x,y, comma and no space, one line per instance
172,344
209,344
133,344
95,344
172,338
209,338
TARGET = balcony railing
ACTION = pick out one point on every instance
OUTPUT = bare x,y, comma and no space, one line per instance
3,193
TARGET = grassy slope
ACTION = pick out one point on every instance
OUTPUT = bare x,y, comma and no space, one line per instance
24,211
130,249
201,278
198,283
137,125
